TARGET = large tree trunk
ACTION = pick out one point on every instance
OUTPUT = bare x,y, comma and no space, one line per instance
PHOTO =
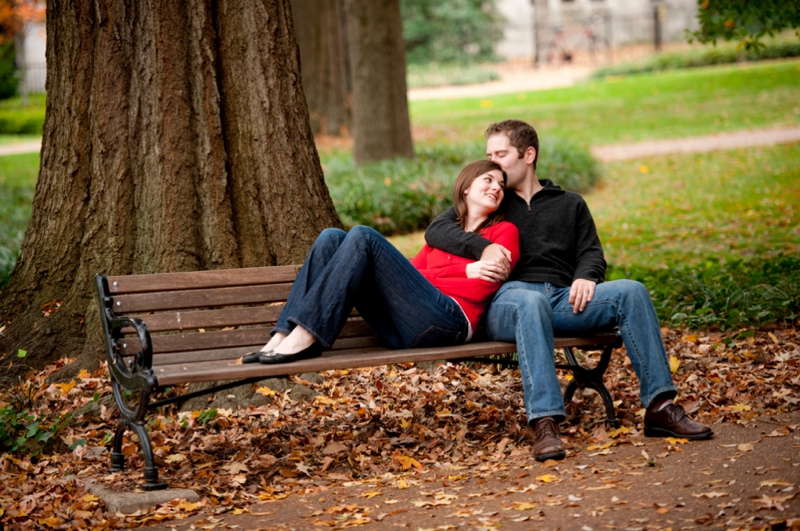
176,138
381,128
320,32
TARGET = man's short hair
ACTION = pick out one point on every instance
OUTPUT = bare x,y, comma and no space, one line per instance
522,135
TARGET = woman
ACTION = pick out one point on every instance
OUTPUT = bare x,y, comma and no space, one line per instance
435,299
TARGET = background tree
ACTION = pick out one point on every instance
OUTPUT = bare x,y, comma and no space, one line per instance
746,21
176,138
460,31
320,32
381,126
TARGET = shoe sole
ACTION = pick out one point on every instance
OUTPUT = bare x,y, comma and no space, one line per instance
558,456
251,358
660,432
279,359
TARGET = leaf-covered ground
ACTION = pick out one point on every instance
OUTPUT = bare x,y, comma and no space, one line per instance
390,426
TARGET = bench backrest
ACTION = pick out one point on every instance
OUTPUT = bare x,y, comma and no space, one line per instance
211,315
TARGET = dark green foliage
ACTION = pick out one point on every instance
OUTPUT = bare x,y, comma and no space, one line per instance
745,21
401,195
21,430
725,295
8,71
702,57
460,31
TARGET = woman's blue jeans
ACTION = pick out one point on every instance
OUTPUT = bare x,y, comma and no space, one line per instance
362,269
533,313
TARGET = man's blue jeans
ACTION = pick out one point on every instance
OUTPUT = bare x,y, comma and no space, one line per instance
362,269
533,313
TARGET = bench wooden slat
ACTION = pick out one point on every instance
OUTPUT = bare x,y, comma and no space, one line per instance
348,359
202,279
587,342
197,356
193,320
183,300
193,341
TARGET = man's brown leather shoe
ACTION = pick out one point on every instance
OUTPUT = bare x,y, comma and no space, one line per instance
672,421
548,444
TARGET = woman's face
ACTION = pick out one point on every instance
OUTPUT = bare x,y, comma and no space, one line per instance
485,193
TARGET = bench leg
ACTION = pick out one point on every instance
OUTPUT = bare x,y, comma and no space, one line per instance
592,378
118,458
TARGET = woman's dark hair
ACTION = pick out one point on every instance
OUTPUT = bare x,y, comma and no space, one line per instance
470,172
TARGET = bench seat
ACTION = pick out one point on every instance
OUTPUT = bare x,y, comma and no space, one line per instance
166,329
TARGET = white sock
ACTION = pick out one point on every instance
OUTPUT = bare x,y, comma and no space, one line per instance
665,404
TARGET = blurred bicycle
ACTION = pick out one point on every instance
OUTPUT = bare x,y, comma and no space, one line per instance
567,42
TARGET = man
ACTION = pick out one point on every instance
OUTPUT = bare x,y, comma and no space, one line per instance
557,288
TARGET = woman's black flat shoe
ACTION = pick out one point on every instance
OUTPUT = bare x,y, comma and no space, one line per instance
273,358
253,357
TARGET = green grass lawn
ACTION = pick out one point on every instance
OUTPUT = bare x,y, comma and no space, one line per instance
714,236
684,209
627,109
18,175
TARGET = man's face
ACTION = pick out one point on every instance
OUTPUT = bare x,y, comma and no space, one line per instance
500,150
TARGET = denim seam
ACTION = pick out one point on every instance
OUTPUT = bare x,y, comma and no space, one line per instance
281,330
528,372
625,324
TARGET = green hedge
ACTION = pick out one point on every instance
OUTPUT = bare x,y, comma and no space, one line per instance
723,54
723,295
404,195
19,119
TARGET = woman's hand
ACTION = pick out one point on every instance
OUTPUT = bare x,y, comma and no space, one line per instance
489,270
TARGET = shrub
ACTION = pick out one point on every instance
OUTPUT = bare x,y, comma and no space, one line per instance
404,195
455,31
725,295
16,119
701,57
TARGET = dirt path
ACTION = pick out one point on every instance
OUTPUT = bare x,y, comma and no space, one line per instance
746,477
698,144
514,77
18,148
614,152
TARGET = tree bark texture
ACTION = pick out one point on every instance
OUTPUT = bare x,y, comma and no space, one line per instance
320,31
381,127
176,138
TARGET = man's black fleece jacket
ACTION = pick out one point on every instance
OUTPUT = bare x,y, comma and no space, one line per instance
557,237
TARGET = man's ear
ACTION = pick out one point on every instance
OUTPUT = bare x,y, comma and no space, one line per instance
530,155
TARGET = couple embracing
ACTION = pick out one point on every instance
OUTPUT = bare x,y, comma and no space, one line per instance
516,253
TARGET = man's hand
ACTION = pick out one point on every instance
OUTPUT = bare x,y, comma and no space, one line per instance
486,270
500,256
580,294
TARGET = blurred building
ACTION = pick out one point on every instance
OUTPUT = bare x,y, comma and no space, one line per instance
31,62
534,25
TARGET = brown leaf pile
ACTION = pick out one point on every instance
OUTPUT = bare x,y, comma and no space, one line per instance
384,424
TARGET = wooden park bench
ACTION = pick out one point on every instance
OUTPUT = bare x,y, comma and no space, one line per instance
166,329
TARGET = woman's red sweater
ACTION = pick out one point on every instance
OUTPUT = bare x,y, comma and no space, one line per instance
448,272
